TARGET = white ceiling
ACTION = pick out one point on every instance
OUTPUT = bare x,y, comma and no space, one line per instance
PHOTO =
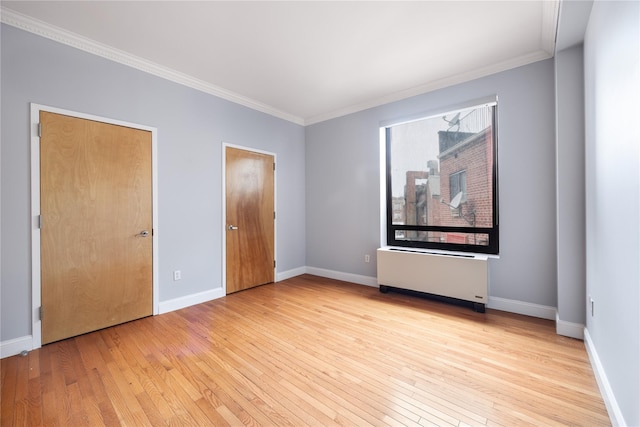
305,61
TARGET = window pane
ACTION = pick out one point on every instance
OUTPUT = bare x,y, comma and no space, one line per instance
441,171
479,239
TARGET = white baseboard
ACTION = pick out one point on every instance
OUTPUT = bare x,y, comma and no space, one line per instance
189,300
497,303
521,307
346,277
615,414
569,329
290,273
15,346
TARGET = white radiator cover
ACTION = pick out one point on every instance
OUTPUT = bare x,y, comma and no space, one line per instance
456,276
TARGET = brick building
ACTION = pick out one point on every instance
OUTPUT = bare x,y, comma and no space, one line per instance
464,165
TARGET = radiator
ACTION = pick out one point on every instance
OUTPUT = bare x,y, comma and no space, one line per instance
462,277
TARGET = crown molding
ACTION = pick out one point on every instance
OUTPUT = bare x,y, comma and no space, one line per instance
77,41
549,30
26,23
438,84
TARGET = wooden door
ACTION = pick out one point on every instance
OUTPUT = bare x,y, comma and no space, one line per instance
96,235
250,219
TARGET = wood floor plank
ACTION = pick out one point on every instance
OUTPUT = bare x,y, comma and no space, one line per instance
256,391
309,351
9,367
102,399
416,407
272,343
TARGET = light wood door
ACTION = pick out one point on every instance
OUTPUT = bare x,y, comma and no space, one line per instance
250,219
96,236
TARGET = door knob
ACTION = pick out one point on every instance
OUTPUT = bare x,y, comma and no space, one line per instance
143,233
232,227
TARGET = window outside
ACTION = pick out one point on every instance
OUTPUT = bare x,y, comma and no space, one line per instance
441,182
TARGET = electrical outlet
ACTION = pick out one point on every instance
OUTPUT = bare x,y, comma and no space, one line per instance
177,275
367,258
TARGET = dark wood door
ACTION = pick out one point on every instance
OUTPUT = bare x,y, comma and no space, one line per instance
250,219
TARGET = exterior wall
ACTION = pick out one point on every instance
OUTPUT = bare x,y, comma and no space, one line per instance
399,211
415,196
477,160
474,157
435,207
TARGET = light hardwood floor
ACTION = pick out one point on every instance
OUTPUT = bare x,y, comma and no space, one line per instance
309,351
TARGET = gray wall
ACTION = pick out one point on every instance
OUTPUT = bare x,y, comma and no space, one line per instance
328,196
570,193
612,101
191,129
343,182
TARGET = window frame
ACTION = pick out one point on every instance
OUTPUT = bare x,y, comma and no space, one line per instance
492,232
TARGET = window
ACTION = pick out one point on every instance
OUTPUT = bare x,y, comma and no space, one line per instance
458,184
457,191
441,181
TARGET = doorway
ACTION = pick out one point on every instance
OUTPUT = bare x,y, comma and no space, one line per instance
249,218
94,240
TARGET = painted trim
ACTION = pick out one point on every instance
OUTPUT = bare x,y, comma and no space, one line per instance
437,112
432,86
550,17
36,297
383,185
15,346
345,277
521,307
290,273
569,329
496,303
615,414
43,29
189,300
223,204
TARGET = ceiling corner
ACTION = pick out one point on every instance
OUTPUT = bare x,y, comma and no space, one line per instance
550,14
60,35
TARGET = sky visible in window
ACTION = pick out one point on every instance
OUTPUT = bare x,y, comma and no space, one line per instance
415,143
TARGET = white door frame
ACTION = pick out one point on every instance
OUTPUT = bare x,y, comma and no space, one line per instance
36,296
224,209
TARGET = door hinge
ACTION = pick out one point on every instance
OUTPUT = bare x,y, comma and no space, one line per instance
274,263
274,165
39,222
39,130
40,311
274,214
